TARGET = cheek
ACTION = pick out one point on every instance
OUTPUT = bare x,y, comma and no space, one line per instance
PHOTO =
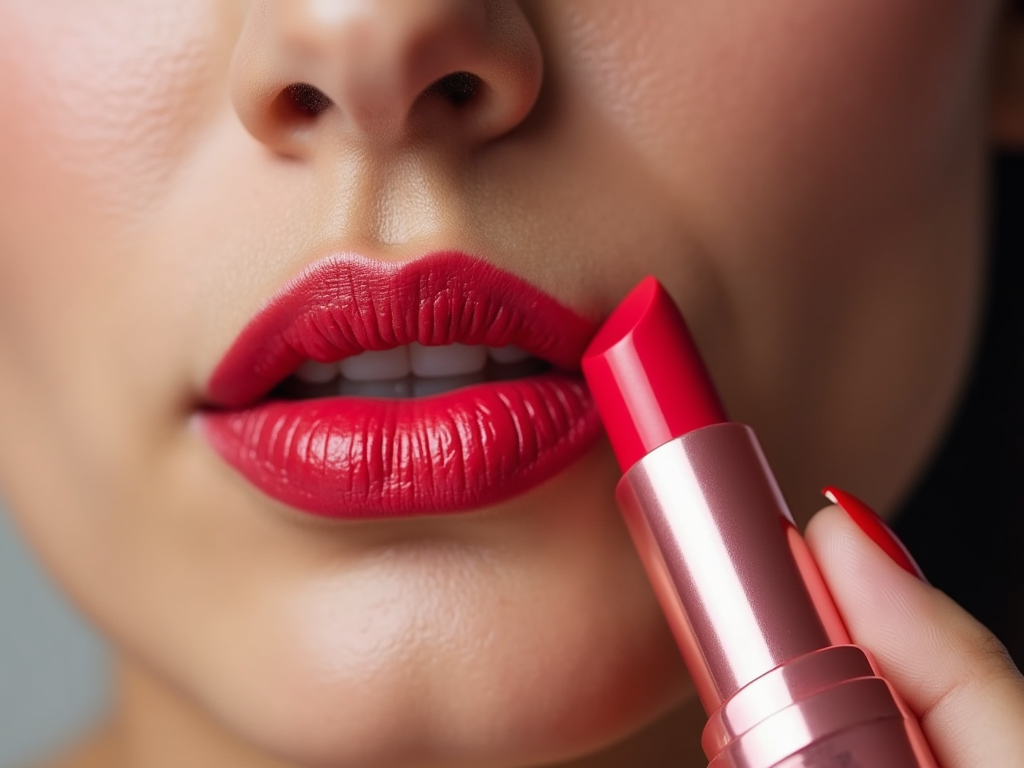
767,102
109,97
824,161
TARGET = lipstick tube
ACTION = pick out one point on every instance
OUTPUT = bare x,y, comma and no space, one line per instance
766,647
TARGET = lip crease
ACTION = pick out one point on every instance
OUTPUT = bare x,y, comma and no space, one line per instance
357,458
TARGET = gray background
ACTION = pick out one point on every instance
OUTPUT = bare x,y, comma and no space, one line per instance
53,668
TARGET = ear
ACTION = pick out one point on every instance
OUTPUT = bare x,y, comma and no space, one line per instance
1008,80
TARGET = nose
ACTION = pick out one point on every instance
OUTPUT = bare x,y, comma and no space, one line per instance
378,72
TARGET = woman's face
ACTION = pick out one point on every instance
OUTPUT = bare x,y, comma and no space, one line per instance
806,180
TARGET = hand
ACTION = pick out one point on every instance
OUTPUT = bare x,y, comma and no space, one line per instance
951,671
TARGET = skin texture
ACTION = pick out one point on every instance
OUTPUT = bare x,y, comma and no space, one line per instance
806,180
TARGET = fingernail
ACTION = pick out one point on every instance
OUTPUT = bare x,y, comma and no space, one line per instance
875,528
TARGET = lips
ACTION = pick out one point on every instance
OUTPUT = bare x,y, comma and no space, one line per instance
365,457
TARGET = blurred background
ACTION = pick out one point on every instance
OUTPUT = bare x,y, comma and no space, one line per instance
53,668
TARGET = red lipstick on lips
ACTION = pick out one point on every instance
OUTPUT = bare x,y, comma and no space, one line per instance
772,662
364,457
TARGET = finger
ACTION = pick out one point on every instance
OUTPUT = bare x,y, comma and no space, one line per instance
952,672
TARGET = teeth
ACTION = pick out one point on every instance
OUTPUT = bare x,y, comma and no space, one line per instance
396,388
314,372
385,365
448,360
414,370
508,354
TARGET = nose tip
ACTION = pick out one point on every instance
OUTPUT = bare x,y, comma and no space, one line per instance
379,71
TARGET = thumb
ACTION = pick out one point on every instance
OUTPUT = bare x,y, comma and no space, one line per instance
951,671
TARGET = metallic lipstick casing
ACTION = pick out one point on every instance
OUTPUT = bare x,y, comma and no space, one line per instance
757,628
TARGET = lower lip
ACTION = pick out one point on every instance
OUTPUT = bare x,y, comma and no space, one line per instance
365,458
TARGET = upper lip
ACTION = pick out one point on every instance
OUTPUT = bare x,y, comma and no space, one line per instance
345,304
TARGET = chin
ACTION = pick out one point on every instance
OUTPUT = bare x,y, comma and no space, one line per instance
451,651
517,695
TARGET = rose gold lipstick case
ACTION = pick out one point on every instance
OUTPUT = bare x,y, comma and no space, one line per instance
767,650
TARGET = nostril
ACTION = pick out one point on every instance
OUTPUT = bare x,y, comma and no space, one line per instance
303,100
457,87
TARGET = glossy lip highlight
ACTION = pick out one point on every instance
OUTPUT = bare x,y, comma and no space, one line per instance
351,457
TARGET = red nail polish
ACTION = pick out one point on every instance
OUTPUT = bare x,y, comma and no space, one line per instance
876,529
